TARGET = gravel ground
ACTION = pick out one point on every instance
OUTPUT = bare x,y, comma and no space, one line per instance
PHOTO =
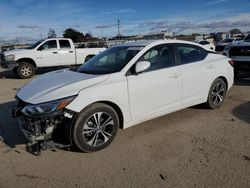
194,147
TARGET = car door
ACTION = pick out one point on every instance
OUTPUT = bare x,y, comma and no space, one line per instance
157,90
47,54
66,52
197,73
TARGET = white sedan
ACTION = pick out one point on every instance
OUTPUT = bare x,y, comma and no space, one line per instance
207,44
121,87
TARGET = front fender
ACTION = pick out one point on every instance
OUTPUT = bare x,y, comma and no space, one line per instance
114,92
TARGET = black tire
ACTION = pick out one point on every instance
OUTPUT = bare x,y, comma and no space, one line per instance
25,70
216,94
89,137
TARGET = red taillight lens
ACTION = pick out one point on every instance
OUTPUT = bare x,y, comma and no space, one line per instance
231,62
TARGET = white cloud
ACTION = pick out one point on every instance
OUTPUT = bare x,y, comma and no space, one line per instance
240,21
120,11
28,27
215,2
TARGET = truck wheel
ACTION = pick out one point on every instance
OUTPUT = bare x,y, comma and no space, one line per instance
25,70
95,128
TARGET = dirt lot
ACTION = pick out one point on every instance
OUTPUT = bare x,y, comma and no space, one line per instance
194,147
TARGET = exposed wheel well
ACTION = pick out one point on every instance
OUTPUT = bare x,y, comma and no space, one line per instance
117,109
28,60
89,57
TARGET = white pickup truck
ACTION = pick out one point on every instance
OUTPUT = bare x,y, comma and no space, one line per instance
51,52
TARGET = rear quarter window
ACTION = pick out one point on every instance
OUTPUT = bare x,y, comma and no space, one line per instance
190,53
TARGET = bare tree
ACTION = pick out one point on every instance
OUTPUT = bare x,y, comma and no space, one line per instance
51,33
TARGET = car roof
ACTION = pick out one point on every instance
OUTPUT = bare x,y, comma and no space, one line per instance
157,42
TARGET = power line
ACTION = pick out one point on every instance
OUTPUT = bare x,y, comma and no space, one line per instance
118,27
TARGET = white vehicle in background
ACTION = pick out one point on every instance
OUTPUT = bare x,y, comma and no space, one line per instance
207,44
51,52
121,87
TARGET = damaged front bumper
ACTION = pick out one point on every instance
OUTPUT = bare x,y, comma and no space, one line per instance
46,132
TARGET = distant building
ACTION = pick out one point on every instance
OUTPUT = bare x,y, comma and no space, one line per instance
161,35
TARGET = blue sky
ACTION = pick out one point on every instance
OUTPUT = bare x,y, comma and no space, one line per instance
31,19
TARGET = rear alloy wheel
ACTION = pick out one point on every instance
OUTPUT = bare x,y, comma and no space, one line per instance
25,70
217,93
95,128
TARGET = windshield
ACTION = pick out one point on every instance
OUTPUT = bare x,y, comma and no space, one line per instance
227,40
35,44
110,61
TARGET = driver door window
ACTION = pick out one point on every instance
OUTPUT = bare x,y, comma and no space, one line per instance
48,45
160,57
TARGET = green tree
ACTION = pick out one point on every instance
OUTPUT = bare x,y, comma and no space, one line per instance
75,35
235,31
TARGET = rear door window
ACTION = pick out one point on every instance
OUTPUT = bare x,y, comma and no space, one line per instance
64,44
190,53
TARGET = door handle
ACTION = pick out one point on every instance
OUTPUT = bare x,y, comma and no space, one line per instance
54,52
71,51
174,75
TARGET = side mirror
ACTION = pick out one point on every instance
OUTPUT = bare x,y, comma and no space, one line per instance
141,66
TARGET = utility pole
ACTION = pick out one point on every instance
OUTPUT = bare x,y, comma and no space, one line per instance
118,27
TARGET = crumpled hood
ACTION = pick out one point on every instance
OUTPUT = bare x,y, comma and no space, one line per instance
56,85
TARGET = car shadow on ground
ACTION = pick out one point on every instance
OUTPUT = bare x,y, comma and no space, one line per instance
242,82
11,75
243,112
9,128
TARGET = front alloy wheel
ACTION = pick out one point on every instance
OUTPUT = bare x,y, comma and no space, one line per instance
95,127
217,93
97,130
25,70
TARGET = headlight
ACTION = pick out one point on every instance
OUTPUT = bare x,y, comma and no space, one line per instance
46,108
10,57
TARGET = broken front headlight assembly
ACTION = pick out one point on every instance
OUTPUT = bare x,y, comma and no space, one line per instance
46,108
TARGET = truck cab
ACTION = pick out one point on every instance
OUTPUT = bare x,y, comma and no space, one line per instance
52,52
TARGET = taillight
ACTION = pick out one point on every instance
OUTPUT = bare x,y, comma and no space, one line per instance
231,62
